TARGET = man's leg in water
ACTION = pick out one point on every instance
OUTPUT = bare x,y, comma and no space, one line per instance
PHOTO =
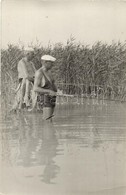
34,96
48,113
27,93
23,87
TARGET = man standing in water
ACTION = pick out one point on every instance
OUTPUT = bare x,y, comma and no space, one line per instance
26,72
45,86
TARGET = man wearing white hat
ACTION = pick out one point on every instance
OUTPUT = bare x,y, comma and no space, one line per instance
44,85
26,72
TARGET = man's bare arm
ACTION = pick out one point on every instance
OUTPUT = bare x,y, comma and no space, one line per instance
37,82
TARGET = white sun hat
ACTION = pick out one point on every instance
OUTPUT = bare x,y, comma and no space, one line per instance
48,58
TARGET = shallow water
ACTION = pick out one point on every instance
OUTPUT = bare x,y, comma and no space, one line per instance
82,152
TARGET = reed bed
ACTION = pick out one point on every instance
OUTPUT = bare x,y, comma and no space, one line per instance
79,68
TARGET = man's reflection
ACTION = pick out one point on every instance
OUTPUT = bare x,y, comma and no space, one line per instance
38,146
47,153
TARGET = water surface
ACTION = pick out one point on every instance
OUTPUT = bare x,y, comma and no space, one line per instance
82,152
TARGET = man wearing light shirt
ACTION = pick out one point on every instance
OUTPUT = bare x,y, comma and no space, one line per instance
26,72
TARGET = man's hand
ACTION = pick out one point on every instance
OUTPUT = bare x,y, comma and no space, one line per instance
52,93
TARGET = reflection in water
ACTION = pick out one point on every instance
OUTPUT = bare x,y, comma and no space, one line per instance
83,143
32,142
48,151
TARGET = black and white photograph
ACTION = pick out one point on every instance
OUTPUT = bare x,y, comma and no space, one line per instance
63,97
